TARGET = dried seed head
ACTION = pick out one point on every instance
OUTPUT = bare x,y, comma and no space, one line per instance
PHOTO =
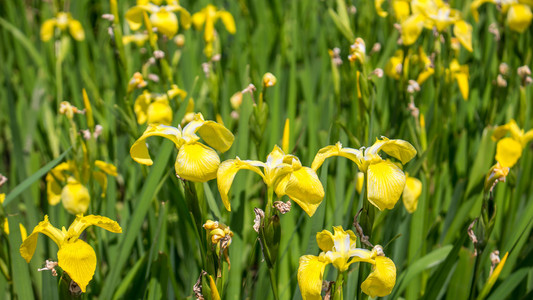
259,215
108,17
503,68
500,81
158,54
283,207
523,71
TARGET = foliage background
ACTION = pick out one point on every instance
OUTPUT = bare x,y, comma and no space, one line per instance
157,255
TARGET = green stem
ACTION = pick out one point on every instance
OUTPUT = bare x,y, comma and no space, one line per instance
337,289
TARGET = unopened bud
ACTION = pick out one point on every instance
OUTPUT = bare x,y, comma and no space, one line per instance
179,40
153,77
523,71
376,48
158,54
236,100
500,81
108,17
216,57
269,80
503,68
378,72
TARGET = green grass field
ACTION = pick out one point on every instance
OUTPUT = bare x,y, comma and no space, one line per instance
79,90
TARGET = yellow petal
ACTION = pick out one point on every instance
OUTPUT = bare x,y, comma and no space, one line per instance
47,30
310,277
398,149
160,112
508,151
101,178
494,276
140,107
227,20
198,19
424,75
474,6
139,150
76,30
165,21
304,188
412,28
463,31
108,168
197,162
411,193
6,227
379,9
382,279
401,9
2,198
527,137
519,17
134,17
360,181
335,150
216,136
75,197
79,261
53,190
82,222
286,136
500,131
394,66
28,245
226,173
385,184
185,18
324,239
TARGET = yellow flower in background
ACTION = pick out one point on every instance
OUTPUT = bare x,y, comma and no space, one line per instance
136,82
195,161
340,250
282,172
155,108
518,12
385,180
75,257
509,149
463,32
394,66
460,74
209,15
62,21
519,17
138,38
411,193
23,232
66,183
161,17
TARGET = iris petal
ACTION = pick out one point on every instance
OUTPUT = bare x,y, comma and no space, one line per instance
197,162
139,150
385,184
30,243
382,279
310,277
508,151
335,150
47,30
304,188
411,193
226,173
78,259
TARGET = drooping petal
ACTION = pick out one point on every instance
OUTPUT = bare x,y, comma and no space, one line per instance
412,28
382,279
226,173
134,17
75,197
139,150
500,131
304,188
336,150
227,20
360,182
401,9
385,184
508,151
411,193
82,222
463,31
197,162
462,81
54,179
527,137
30,243
198,19
519,17
398,149
216,135
140,107
47,30
159,112
107,168
379,9
394,67
165,21
76,30
78,259
310,277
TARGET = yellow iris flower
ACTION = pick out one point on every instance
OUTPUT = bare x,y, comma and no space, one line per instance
209,15
138,38
161,17
340,250
430,14
75,257
509,149
66,183
518,12
155,108
62,21
195,161
282,172
385,180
